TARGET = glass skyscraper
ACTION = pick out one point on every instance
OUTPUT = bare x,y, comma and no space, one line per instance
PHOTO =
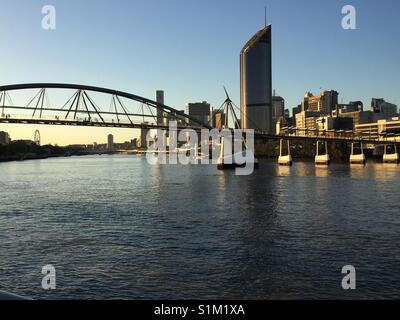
256,82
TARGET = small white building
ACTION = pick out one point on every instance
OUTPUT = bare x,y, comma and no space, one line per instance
110,142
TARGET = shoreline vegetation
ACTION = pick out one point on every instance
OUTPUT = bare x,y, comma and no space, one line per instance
22,150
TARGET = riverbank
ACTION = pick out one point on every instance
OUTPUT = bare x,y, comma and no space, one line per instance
22,150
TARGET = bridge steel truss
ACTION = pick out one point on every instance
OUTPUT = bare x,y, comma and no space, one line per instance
82,104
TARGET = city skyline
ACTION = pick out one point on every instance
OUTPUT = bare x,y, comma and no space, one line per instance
350,65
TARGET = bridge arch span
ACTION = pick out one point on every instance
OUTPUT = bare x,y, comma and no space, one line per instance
172,112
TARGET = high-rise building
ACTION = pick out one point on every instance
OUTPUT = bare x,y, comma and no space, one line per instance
352,106
376,104
143,136
278,108
307,120
329,100
296,110
388,110
256,82
200,111
180,118
356,105
323,103
219,120
4,138
286,114
110,142
360,117
161,120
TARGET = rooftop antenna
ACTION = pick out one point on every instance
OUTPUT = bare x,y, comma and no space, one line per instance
265,16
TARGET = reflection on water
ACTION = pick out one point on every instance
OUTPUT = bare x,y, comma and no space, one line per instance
376,171
284,170
358,171
321,171
116,227
386,171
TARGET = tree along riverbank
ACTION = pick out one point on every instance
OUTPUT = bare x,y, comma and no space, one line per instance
21,150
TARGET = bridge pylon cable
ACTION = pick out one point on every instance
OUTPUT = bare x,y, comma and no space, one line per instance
93,105
123,108
77,103
68,101
72,104
115,106
86,107
38,102
29,103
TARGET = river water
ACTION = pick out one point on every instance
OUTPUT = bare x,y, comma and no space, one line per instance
117,227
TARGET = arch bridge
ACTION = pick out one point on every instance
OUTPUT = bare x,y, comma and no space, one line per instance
83,105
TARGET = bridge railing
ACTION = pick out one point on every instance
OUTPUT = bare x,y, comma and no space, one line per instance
108,120
70,119
105,121
338,134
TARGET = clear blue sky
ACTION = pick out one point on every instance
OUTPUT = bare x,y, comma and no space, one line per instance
191,49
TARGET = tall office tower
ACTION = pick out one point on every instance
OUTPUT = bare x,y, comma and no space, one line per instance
278,109
160,114
329,99
200,111
256,82
110,142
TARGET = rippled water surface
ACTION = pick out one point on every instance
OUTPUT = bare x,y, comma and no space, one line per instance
116,227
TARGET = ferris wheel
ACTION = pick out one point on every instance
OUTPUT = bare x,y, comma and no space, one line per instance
37,137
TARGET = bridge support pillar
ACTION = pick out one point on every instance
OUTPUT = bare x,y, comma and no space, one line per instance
284,160
357,158
322,159
390,157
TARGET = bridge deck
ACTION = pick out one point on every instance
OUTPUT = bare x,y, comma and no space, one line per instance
258,135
